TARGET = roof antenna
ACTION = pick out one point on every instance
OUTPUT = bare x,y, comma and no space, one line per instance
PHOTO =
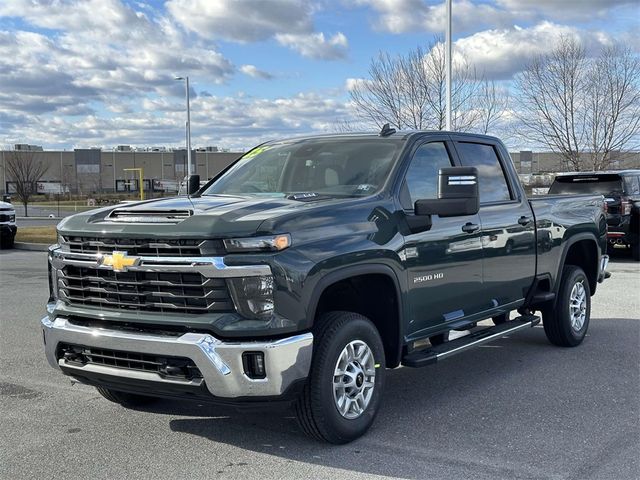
387,130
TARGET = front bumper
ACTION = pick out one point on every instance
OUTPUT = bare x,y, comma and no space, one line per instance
287,360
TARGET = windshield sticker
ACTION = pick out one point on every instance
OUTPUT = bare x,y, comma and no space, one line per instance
257,151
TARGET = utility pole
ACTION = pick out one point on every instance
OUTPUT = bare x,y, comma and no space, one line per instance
186,79
448,61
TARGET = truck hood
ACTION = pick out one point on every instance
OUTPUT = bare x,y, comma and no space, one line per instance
197,217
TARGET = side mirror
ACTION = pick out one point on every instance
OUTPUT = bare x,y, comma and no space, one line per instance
193,184
457,194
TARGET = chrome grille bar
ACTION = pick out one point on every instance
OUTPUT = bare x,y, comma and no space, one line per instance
210,267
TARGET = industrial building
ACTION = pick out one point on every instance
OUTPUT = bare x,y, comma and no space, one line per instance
94,171
91,171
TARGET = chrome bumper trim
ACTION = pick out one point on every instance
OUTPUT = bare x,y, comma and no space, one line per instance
208,266
286,360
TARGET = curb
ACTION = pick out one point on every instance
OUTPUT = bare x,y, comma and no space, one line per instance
36,247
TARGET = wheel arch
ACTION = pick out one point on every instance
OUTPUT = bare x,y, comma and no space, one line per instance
578,250
334,292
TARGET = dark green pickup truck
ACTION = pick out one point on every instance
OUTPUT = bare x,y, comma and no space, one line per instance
312,266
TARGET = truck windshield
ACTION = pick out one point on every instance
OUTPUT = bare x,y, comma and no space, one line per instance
328,167
595,184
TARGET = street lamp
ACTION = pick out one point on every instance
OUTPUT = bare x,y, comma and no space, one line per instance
448,61
186,79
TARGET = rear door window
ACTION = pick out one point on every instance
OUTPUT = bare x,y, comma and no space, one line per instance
492,182
632,185
605,184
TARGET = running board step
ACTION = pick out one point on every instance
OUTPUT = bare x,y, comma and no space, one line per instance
432,355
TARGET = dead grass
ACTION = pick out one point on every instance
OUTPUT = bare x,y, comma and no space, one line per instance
37,234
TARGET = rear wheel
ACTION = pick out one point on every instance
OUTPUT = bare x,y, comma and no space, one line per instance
635,251
344,388
125,399
567,323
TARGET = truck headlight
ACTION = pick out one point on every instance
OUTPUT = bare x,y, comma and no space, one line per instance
271,243
253,296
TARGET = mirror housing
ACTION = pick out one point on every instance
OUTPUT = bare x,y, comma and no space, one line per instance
193,184
457,194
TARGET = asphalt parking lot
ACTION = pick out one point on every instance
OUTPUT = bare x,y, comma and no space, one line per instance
516,409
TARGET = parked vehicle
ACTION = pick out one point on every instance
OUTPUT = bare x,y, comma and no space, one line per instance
8,226
621,190
311,266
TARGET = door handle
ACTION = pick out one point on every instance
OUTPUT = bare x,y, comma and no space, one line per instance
470,227
524,221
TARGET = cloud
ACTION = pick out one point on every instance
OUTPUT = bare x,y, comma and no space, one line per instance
235,122
245,21
255,72
566,9
288,21
500,53
403,16
78,64
316,45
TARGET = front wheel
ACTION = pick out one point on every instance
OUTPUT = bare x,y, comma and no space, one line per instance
566,324
7,242
344,388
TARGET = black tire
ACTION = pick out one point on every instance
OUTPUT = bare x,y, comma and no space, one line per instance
125,399
635,251
316,408
557,320
500,319
508,248
439,339
7,242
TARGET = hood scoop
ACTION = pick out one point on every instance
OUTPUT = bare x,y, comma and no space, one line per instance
124,215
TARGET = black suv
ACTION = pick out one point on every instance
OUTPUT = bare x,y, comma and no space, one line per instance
621,190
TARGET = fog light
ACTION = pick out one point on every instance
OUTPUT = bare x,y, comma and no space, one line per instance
253,363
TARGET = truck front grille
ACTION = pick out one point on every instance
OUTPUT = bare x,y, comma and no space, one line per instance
173,367
146,247
167,292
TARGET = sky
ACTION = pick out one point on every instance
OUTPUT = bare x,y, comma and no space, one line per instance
100,73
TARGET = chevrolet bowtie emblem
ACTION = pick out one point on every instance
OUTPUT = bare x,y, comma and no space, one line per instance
119,261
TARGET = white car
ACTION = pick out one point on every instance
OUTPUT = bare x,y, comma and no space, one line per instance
8,226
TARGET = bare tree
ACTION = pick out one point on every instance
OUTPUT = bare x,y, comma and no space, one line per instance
409,91
25,168
379,98
613,117
492,105
581,107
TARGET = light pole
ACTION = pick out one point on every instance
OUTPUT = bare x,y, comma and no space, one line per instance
140,179
448,60
186,79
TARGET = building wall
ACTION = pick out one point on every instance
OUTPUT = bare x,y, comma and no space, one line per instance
547,162
95,171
